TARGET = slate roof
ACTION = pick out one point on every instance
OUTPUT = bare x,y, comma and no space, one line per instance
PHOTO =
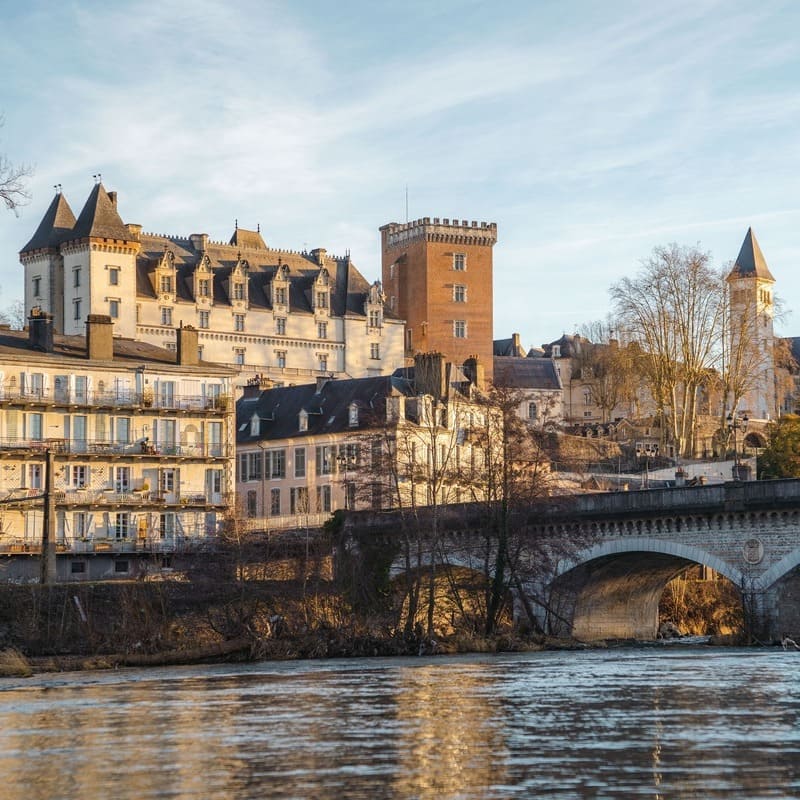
327,407
508,347
245,238
99,219
68,349
349,288
570,345
526,373
55,227
751,262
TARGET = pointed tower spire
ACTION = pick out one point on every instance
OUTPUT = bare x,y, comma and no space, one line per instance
99,218
55,227
751,262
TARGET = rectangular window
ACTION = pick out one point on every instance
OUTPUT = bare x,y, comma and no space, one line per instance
531,410
80,524
166,394
280,357
374,319
460,293
323,498
459,262
250,466
280,326
166,284
252,503
322,299
122,479
238,291
238,322
275,502
34,426
298,500
276,463
113,276
166,316
280,295
77,567
122,527
123,430
299,462
37,287
166,481
238,356
166,525
322,330
76,277
460,329
76,308
203,287
374,350
122,567
323,363
34,476
202,319
80,476
113,309
324,459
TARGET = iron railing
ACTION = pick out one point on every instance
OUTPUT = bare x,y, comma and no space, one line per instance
102,447
118,399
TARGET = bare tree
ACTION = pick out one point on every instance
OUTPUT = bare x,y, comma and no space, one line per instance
673,309
12,181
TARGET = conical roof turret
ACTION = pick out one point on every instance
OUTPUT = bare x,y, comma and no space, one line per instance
55,227
750,263
99,218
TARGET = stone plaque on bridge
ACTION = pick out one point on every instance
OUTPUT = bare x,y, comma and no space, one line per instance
753,551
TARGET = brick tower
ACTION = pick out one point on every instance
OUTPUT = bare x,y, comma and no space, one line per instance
437,274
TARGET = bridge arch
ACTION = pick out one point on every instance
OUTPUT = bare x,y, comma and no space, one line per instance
612,589
779,570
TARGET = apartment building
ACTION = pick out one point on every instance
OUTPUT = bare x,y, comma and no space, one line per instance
412,438
131,446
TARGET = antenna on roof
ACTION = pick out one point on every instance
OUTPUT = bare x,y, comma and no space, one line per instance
57,187
236,224
258,227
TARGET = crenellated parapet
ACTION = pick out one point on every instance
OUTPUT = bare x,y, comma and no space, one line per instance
444,230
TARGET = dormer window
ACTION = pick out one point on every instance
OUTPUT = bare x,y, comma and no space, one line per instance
166,284
374,319
322,299
255,425
238,290
280,295
302,420
352,415
556,351
203,287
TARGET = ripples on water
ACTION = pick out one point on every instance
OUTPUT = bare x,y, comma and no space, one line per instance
654,722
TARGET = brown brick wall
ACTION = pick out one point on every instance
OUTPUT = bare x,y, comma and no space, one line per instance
423,282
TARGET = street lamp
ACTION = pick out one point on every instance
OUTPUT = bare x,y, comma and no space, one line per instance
643,452
736,423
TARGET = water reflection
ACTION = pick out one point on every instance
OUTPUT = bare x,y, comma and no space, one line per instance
627,723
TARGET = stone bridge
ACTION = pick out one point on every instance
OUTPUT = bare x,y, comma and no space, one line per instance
599,563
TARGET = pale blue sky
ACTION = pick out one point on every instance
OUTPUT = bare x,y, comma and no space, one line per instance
589,131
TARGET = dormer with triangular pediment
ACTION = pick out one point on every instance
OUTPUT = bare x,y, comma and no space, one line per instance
203,288
321,293
279,289
164,277
237,284
373,306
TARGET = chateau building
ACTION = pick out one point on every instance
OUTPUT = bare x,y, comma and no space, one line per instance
284,315
438,277
130,446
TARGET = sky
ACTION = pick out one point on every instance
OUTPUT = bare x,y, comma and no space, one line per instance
590,132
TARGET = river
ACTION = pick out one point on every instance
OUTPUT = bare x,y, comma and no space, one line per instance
654,722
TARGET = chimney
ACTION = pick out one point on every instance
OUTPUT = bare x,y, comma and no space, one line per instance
135,230
319,253
40,330
199,241
188,351
516,345
99,337
112,196
322,380
256,385
476,372
429,374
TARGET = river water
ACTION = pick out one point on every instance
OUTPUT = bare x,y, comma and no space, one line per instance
655,722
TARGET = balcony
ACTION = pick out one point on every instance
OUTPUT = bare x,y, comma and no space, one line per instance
12,395
100,448
154,543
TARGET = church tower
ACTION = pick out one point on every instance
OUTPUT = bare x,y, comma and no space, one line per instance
751,336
